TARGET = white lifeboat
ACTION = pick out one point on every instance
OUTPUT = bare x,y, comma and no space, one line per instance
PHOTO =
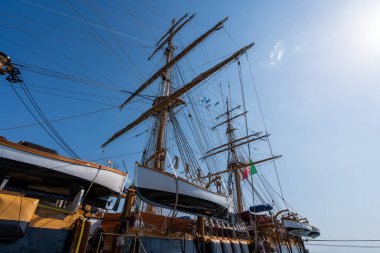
315,232
297,228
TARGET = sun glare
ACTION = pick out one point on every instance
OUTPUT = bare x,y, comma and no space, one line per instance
365,30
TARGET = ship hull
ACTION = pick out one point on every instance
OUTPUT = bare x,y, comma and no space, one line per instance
39,240
166,190
211,245
45,162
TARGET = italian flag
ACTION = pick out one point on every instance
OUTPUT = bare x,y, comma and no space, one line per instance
252,166
250,169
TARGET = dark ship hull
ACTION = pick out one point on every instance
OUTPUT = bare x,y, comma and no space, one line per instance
39,240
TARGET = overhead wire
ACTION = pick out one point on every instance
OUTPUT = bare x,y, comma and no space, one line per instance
146,5
97,35
40,123
68,97
33,21
76,92
45,120
66,36
343,246
64,76
61,119
61,35
60,64
107,46
121,7
63,32
83,21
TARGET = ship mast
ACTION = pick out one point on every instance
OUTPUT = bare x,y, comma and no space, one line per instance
162,116
233,159
169,100
234,165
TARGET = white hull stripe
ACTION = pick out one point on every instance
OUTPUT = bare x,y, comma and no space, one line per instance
106,178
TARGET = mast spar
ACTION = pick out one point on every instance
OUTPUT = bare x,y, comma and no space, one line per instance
233,158
168,100
175,58
234,164
172,99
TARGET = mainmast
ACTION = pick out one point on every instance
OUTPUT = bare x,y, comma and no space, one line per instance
170,100
162,116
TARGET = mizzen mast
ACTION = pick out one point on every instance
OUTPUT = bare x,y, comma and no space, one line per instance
234,163
233,158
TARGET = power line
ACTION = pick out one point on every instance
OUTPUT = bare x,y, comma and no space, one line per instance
111,48
37,108
75,92
64,76
70,97
347,240
141,20
60,64
39,122
66,36
97,35
60,119
83,21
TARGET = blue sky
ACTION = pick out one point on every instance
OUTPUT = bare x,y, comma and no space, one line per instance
316,69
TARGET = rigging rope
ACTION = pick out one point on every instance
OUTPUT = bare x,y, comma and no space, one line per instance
249,150
265,127
61,119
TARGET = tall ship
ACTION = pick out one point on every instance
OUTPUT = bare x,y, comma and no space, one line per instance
197,188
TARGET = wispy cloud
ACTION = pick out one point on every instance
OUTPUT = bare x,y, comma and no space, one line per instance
277,53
